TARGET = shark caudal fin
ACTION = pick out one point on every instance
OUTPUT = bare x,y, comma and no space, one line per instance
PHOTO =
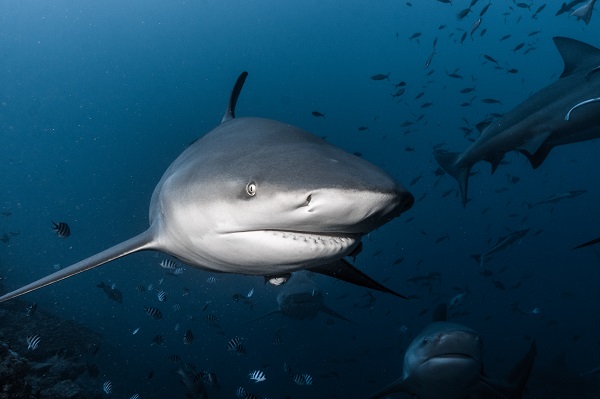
343,270
141,242
449,162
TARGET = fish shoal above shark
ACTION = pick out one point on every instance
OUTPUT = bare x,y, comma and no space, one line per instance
564,112
256,196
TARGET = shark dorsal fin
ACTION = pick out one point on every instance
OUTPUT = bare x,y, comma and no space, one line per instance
575,54
235,93
440,313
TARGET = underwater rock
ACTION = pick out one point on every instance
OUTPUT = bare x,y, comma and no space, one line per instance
59,368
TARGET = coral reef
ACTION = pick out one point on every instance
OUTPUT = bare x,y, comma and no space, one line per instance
59,368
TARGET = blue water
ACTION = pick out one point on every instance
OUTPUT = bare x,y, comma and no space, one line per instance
97,99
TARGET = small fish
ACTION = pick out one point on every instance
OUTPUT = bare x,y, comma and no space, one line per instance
211,318
155,313
318,114
33,341
250,293
107,387
234,343
362,128
111,291
491,101
415,35
240,350
140,288
380,76
174,358
308,380
162,296
484,9
31,309
257,376
61,229
241,393
176,308
158,340
518,47
135,331
178,271
168,264
188,338
475,26
135,396
212,280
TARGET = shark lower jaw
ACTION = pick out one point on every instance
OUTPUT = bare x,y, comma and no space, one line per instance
273,251
450,357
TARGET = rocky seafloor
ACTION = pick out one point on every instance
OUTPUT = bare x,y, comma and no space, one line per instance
59,368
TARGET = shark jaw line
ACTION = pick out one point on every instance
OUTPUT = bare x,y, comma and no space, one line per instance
340,240
450,356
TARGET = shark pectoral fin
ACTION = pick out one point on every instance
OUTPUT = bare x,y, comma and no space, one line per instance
514,383
519,375
397,386
262,317
449,162
537,158
343,270
588,243
495,160
141,242
333,313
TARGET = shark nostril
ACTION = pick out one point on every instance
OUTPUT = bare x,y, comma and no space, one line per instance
308,199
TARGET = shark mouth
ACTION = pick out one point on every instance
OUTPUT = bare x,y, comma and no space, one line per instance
451,356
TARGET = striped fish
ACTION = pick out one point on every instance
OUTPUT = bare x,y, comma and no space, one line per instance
168,264
155,313
107,387
162,296
178,271
33,341
176,308
234,343
135,396
61,229
188,338
257,376
158,340
174,358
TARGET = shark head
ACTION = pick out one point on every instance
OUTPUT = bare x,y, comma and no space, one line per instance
260,197
270,198
445,356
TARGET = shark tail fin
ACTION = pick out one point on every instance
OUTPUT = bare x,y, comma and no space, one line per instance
141,242
343,270
451,165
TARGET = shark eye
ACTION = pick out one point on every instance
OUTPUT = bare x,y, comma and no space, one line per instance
251,189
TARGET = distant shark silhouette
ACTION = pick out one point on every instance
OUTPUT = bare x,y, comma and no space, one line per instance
503,243
567,111
260,197
445,362
301,299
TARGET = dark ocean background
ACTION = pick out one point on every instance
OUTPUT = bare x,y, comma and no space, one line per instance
98,98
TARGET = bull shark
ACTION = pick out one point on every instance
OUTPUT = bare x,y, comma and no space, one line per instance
257,196
445,361
566,111
301,299
553,199
503,243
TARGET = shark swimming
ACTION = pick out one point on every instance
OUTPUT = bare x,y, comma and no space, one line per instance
445,361
301,299
564,112
260,197
503,243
